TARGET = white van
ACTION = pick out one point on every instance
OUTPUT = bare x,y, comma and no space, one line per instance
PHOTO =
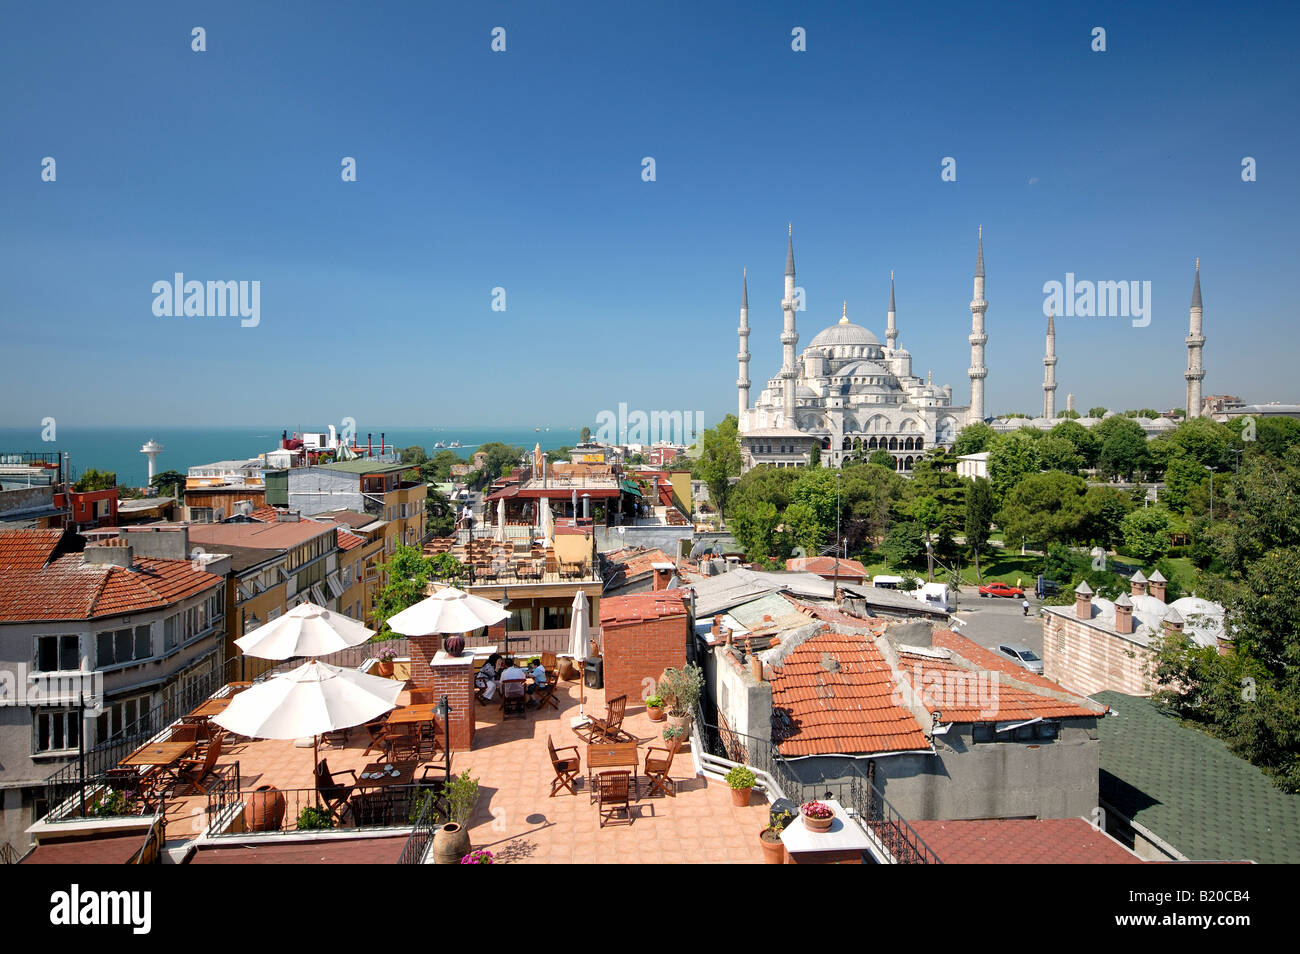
937,595
887,582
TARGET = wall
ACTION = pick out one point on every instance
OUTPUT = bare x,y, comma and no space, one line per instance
744,704
665,538
1086,659
431,668
637,651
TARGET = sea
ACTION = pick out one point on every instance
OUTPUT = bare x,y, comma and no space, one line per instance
117,449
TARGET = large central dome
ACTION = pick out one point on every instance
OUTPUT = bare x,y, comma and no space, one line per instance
844,333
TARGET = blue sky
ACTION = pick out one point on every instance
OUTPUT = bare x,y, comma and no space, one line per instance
522,170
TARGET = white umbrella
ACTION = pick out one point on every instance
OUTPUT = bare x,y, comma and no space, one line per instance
310,700
501,520
448,611
579,637
306,630
547,521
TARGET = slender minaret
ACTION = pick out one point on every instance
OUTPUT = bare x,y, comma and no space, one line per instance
1195,341
1049,368
789,336
891,319
977,339
742,381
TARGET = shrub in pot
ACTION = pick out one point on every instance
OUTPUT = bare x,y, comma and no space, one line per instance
312,817
770,838
654,707
674,732
741,779
682,689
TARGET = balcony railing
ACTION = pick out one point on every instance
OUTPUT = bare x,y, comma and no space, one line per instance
392,806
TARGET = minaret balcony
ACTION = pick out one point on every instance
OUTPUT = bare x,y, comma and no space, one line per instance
980,339
978,373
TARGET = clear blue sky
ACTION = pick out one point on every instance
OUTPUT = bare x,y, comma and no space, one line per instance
523,170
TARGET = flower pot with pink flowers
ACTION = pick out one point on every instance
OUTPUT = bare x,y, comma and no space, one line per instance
817,816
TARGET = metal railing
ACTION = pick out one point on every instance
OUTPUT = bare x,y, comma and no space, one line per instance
392,806
857,793
427,824
9,854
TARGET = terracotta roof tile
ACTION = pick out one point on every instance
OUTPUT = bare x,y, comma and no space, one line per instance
640,606
825,566
1043,841
27,548
70,589
836,694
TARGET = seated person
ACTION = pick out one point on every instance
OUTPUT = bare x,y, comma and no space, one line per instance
538,672
508,676
487,677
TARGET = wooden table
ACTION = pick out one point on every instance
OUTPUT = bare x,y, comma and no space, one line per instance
158,753
613,755
212,707
412,715
406,776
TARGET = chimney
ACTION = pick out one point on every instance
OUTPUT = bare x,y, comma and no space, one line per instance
1124,615
1173,622
706,567
663,573
1083,600
1157,583
716,629
1139,583
109,553
381,443
756,667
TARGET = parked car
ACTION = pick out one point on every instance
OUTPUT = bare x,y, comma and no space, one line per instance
1023,656
1001,589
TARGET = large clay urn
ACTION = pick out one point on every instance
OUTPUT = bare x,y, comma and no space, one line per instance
264,809
450,844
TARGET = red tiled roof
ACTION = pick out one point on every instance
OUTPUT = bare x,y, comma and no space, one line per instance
27,549
350,851
348,540
825,566
634,607
103,850
1042,841
629,563
70,589
848,707
970,695
265,514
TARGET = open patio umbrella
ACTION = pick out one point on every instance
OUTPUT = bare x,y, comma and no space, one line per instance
448,611
579,637
313,699
306,630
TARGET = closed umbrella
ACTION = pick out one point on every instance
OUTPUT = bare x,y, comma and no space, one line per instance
306,630
501,520
310,700
448,611
547,522
579,638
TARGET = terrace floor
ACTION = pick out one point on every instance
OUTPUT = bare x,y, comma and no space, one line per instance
515,818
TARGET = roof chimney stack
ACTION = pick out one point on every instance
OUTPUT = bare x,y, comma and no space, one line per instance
1138,582
1124,615
1157,583
1083,600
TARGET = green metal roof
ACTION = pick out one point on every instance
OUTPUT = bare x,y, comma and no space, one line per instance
365,466
631,488
1184,786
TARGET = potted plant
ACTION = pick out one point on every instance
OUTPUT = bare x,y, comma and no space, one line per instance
385,667
654,707
451,841
311,818
817,816
682,689
770,838
674,732
478,857
741,779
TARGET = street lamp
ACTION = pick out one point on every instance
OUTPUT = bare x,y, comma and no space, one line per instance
443,712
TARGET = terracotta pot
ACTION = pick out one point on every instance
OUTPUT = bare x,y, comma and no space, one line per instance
655,713
773,848
816,824
567,669
740,796
450,844
385,668
264,809
681,722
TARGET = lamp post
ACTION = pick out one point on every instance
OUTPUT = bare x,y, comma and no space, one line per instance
443,711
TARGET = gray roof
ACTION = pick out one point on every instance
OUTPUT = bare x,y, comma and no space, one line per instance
979,261
1196,287
789,253
721,591
1184,785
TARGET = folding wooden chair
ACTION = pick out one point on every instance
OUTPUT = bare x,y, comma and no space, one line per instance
547,693
608,729
657,768
194,771
613,790
333,795
566,769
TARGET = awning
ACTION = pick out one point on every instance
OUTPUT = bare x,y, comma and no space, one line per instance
630,488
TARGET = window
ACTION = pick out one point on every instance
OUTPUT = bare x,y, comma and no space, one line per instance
125,715
123,646
982,732
57,730
171,631
58,654
200,514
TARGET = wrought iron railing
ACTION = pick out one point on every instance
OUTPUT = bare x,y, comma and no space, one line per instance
9,854
857,793
427,823
303,809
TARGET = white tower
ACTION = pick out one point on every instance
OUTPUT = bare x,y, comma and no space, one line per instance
151,450
891,319
789,336
742,381
1195,341
978,338
1049,369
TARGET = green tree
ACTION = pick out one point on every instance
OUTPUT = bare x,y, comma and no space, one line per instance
815,455
754,528
1097,412
720,460
1085,444
1272,435
1068,415
1203,440
1123,448
1103,508
904,544
1044,508
1011,457
980,510
803,529
1146,533
415,454
868,495
439,514
167,482
1183,474
94,479
407,576
500,458
974,438
881,458
585,435
1058,453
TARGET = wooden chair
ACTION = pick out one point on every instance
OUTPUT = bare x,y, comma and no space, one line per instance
337,737
333,795
514,698
135,788
613,790
566,769
404,743
377,729
657,768
546,694
549,661
608,729
194,771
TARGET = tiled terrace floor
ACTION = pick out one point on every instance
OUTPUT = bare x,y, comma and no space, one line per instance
515,818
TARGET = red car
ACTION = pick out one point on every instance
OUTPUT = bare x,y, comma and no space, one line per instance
1001,589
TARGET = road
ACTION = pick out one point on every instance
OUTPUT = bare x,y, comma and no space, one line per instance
998,620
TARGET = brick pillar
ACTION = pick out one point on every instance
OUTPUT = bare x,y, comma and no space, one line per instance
432,668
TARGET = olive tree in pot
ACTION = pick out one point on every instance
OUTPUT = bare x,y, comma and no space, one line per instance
451,841
681,689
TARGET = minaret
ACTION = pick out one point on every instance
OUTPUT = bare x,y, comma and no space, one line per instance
1195,341
789,336
977,370
891,319
1049,368
742,381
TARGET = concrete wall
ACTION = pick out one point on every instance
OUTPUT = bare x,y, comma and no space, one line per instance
665,538
743,703
1087,659
315,491
1055,779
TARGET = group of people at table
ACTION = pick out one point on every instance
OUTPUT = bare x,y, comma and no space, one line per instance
503,675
